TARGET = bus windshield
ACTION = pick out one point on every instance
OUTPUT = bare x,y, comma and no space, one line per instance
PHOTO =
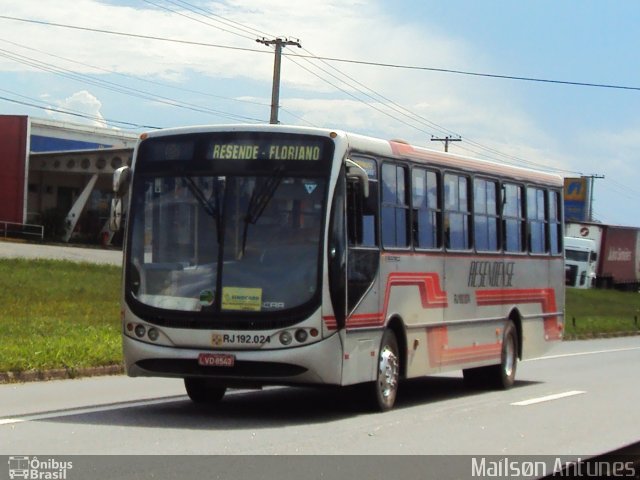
255,237
225,223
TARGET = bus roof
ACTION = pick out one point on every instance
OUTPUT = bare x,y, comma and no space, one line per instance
387,148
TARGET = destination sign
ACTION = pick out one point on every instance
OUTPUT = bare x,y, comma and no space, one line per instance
274,151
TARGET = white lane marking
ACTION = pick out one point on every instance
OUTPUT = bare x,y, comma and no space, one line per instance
548,398
596,352
85,410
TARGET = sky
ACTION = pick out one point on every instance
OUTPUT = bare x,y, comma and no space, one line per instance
401,69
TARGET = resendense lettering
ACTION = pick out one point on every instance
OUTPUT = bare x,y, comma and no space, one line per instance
491,274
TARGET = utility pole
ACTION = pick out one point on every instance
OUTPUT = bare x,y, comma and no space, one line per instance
591,180
446,141
275,90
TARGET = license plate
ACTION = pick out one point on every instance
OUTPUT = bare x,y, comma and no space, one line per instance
216,360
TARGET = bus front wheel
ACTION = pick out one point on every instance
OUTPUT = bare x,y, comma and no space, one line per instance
385,387
203,390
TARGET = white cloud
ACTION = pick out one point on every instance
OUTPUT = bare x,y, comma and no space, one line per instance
81,102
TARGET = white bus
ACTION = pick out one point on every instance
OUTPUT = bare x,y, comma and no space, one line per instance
275,255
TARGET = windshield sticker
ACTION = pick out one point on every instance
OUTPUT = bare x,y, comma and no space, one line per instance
206,298
238,298
310,187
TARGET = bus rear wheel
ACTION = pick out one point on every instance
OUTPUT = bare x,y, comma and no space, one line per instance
385,387
503,375
204,390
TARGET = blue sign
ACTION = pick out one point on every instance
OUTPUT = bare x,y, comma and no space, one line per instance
575,199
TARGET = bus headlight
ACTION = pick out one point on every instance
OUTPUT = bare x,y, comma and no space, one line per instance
153,334
140,331
301,335
285,338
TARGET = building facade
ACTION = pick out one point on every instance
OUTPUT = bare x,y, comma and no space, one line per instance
59,175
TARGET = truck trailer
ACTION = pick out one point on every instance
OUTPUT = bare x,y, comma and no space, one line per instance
617,249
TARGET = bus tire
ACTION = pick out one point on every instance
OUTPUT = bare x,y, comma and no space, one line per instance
385,387
501,376
203,390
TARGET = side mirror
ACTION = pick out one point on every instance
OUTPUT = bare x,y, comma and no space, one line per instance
355,171
121,179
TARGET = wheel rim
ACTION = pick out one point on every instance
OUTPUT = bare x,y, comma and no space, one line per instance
388,375
510,356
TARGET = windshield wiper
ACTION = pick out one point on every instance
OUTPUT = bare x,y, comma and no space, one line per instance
213,210
260,198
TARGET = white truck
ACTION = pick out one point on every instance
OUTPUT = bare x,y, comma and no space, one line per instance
581,255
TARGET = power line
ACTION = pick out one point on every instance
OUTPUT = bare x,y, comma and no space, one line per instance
118,88
414,117
330,59
219,18
624,189
132,35
475,74
196,19
133,77
70,112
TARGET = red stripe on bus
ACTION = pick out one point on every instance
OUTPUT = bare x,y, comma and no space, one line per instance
431,293
440,354
546,297
431,296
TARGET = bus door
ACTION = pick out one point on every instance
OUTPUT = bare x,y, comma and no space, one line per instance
363,257
357,304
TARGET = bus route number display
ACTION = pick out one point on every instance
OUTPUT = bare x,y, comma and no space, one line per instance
274,151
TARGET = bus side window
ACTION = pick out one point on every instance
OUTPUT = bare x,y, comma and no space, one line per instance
485,211
536,224
427,211
457,212
513,218
395,206
555,223
361,215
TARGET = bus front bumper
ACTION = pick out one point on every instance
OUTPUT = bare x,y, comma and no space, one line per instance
316,363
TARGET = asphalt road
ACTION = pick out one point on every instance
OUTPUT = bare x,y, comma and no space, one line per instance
9,249
580,400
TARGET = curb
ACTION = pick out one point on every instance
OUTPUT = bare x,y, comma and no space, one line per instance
59,374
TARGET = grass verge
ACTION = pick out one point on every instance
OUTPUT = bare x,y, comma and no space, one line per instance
596,312
58,315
